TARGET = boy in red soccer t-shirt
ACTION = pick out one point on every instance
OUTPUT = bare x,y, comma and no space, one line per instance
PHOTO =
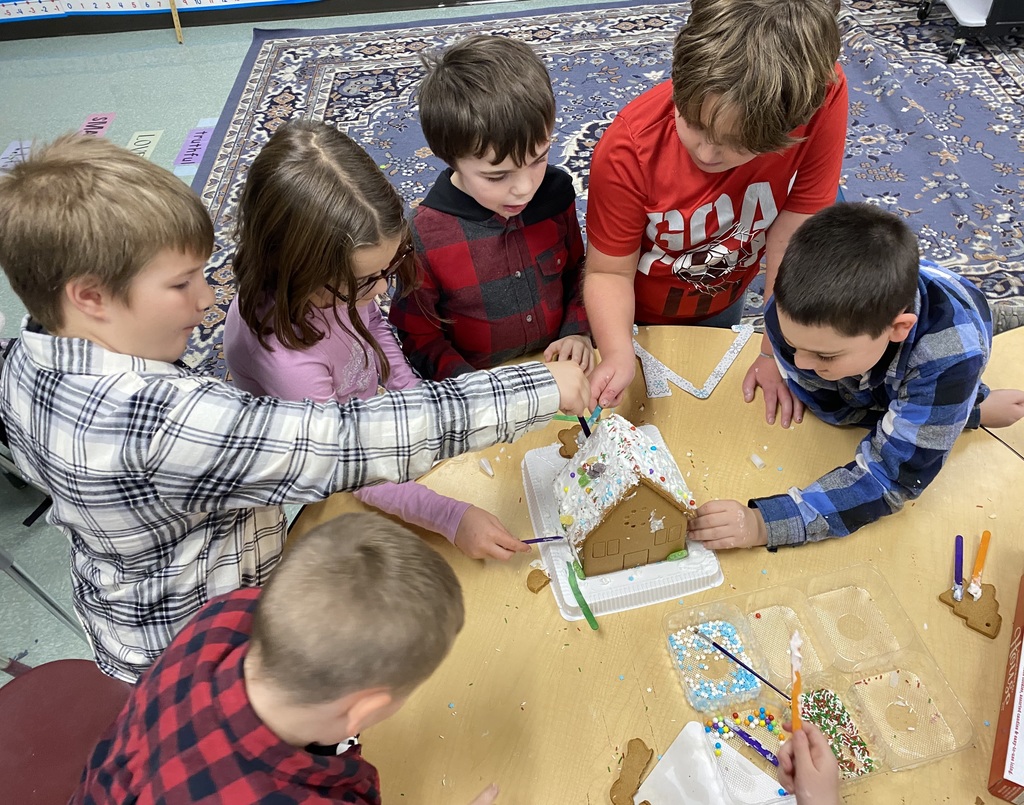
699,178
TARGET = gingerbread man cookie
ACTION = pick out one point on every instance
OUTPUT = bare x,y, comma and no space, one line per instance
568,438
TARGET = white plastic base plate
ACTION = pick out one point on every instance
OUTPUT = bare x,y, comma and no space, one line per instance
610,592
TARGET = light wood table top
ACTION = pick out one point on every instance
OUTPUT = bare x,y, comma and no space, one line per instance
1006,370
544,706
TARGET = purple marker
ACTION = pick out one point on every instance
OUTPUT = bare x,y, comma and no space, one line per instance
537,540
756,745
958,569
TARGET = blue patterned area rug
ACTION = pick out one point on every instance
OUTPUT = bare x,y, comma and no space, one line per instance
940,144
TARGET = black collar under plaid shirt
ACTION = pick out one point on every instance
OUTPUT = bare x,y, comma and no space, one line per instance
491,289
189,736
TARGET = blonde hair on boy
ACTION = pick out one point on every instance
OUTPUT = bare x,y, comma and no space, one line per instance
766,65
82,206
486,93
357,603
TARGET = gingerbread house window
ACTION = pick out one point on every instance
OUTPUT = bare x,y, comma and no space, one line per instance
622,499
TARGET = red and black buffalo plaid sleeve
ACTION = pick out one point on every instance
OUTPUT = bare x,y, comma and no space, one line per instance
189,736
491,289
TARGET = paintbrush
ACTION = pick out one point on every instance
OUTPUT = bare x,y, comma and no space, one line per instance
739,662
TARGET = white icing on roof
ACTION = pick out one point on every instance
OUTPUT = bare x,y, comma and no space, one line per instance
606,469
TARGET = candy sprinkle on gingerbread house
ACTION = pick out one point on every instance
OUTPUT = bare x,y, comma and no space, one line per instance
622,501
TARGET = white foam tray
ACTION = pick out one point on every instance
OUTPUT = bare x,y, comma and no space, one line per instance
609,592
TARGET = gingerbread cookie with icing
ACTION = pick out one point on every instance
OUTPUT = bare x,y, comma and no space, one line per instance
982,615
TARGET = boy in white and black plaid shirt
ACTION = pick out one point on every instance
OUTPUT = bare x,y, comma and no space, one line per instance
169,484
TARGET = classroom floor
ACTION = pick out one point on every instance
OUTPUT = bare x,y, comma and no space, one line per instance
48,87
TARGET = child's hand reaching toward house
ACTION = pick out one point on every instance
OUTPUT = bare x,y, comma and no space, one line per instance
481,535
572,348
808,768
573,387
612,376
727,524
1002,408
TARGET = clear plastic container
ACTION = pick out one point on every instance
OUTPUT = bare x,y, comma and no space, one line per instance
860,645
712,682
773,615
751,779
860,616
828,701
913,709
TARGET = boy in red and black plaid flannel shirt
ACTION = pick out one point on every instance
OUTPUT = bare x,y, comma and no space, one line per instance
497,239
256,699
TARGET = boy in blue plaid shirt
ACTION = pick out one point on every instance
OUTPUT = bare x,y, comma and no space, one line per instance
168,484
883,340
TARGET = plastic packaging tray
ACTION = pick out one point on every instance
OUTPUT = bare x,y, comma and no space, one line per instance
609,592
686,774
859,643
712,683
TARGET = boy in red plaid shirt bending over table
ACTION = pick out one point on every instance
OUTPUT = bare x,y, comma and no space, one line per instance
497,239
260,698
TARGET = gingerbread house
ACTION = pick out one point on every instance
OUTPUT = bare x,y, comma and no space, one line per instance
622,501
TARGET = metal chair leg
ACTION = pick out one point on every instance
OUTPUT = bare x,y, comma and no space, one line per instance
13,667
26,582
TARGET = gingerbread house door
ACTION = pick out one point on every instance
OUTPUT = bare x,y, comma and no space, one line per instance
636,559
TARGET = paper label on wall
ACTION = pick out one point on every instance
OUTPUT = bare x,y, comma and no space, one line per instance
14,153
187,162
29,9
192,151
143,142
97,125
17,10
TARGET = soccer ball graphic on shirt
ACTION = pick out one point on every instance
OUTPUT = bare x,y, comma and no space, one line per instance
709,266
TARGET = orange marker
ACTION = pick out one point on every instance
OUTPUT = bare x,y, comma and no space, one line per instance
979,562
795,703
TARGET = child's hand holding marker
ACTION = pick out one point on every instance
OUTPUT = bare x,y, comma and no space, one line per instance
807,767
573,387
481,535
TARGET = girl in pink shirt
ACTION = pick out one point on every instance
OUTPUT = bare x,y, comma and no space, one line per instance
320,233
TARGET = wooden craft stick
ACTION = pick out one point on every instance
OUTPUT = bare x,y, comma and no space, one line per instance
796,661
